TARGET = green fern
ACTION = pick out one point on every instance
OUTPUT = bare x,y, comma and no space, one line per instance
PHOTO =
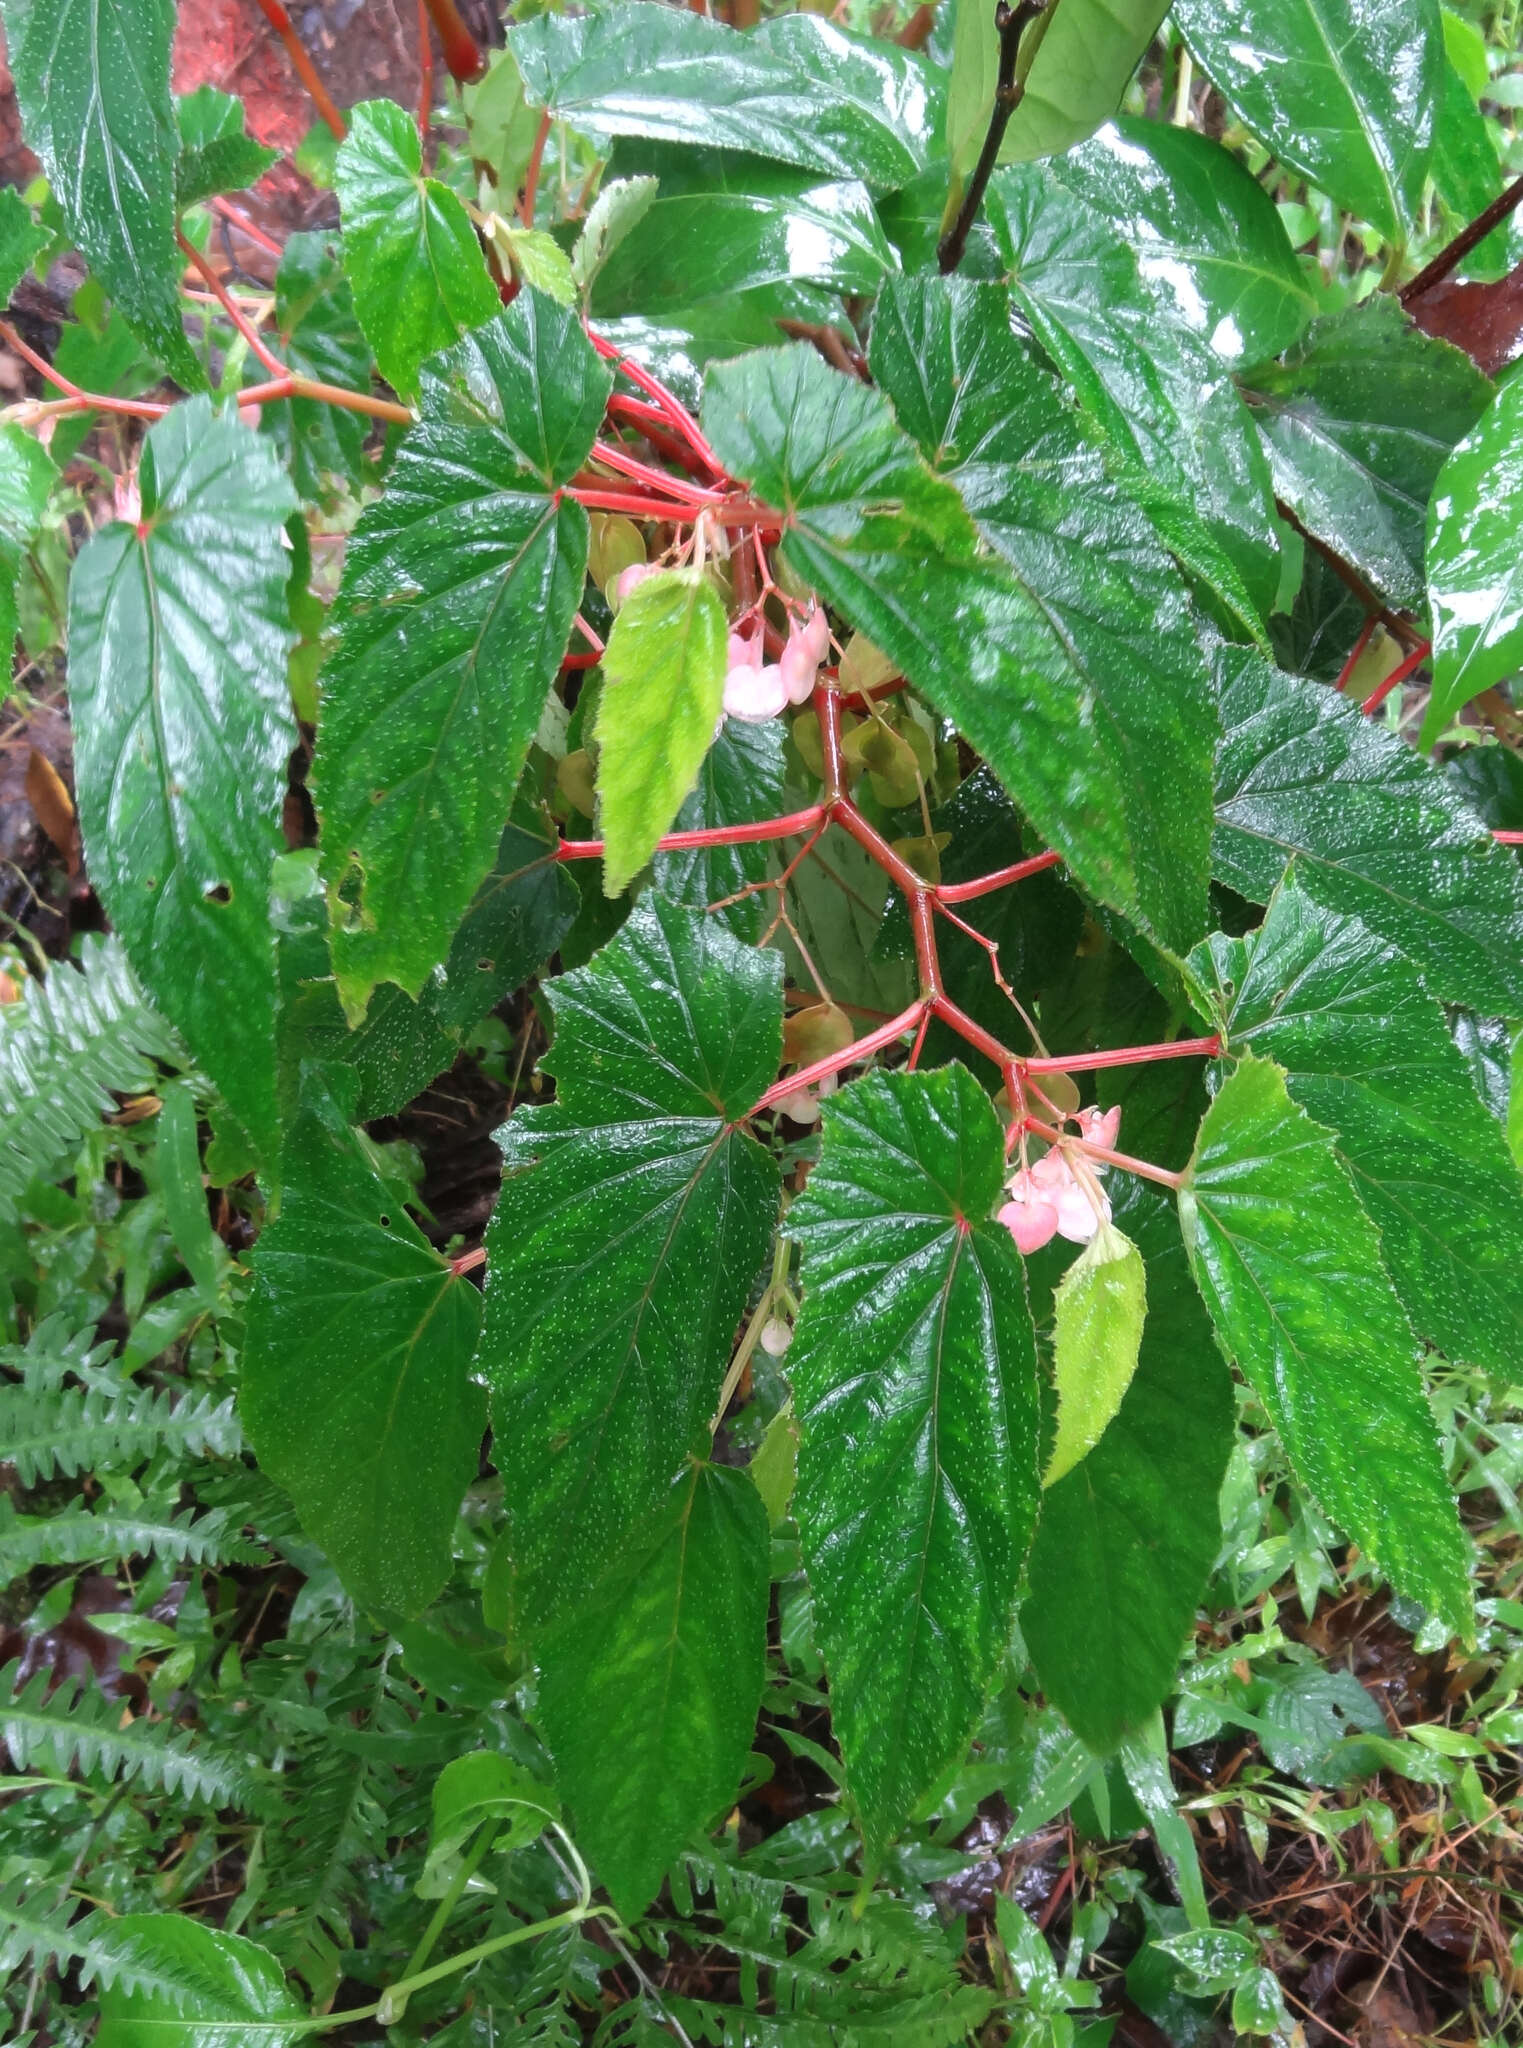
38,1927
77,1037
72,1431
77,1728
80,1536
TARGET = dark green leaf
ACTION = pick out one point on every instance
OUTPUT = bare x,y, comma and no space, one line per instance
319,337
723,223
914,1367
92,77
1367,1053
459,590
216,155
892,546
1160,395
648,1696
357,1390
663,678
183,1195
1375,831
1126,1541
1289,1266
797,88
22,240
27,476
177,1983
177,674
1475,561
1206,233
1466,173
1113,630
633,1219
1358,423
740,783
1075,62
420,280
1344,91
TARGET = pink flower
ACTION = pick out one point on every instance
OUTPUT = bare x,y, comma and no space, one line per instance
752,691
802,1106
801,658
1100,1127
1078,1218
628,579
1031,1214
776,1336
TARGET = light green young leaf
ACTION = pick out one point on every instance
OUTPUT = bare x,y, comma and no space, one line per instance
663,681
93,84
620,206
500,125
183,728
648,1696
420,280
27,476
915,1350
22,240
1475,561
970,90
1075,62
1289,1266
356,1389
1097,1327
183,1194
482,1786
1344,91
536,259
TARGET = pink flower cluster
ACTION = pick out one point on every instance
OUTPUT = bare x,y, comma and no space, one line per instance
754,690
1049,1199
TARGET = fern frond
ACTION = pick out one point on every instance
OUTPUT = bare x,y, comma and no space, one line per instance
80,1536
75,1038
71,1431
56,1351
37,1926
79,1728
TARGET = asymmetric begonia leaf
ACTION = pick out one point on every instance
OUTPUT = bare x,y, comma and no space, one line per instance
27,476
420,280
1206,233
634,1217
798,89
1098,1313
914,1370
648,1694
894,548
183,727
357,1391
1112,629
174,1982
459,590
1366,1051
724,223
1126,1541
1475,561
1075,61
740,783
1374,829
216,152
1289,1266
92,80
663,678
1358,423
1344,91
1154,386
320,337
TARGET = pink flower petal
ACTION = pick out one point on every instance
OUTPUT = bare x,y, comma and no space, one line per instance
1078,1219
754,694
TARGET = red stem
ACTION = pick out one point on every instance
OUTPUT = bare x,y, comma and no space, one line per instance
964,892
235,313
303,66
849,1056
975,1034
245,226
708,835
1352,663
1508,838
1144,1167
613,457
425,78
668,402
531,176
1127,1056
459,45
1398,674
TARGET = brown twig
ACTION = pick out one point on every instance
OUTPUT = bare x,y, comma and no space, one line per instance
1011,23
1455,252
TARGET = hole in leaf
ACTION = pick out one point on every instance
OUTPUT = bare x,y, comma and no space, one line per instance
219,892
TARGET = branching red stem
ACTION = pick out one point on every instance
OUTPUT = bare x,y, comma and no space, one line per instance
984,885
234,312
1366,632
1127,1056
836,1062
708,835
1144,1167
531,175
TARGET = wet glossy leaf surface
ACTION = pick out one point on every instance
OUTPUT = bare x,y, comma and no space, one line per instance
1358,423
648,1698
420,280
216,154
1206,234
797,89
1475,561
1075,62
1374,831
1367,1052
92,77
663,677
178,642
632,1222
459,590
22,240
320,337
177,1983
740,782
1312,1322
1113,629
914,1370
1344,91
357,1389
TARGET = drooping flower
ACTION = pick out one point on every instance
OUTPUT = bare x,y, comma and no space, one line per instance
629,579
776,1336
1031,1214
801,657
1048,1199
1100,1127
1079,1217
753,691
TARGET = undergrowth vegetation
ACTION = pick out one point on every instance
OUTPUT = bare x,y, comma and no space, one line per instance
761,1252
